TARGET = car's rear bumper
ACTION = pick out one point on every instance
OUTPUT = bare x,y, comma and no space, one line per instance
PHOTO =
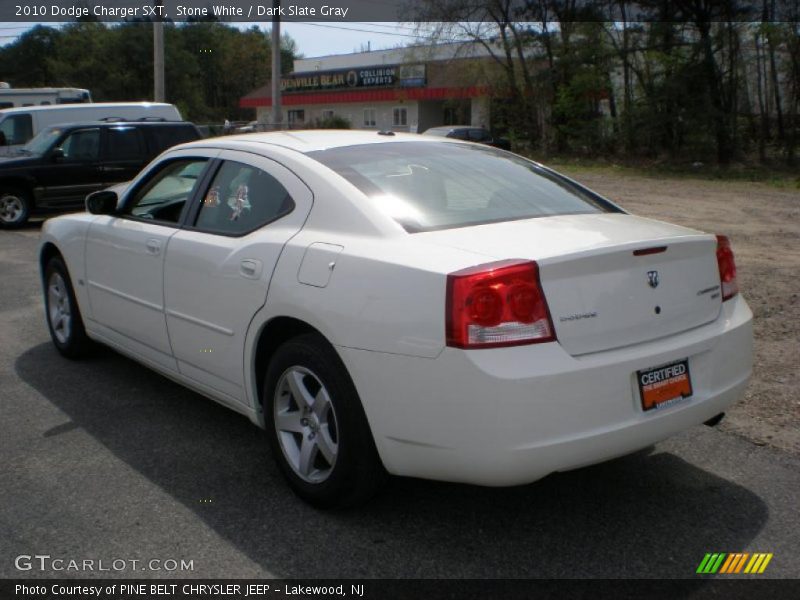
509,416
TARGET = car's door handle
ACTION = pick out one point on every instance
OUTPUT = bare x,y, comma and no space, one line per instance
106,169
250,268
153,246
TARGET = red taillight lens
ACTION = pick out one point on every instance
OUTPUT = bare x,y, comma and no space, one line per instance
498,304
727,268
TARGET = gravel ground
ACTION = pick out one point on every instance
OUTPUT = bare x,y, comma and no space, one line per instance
763,223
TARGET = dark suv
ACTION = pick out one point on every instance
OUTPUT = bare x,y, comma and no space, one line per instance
470,134
60,166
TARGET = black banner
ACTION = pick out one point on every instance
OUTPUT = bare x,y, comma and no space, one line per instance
396,589
420,11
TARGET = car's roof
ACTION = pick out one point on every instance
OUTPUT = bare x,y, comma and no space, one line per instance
149,122
312,140
82,106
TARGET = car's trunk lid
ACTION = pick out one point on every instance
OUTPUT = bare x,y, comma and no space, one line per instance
603,292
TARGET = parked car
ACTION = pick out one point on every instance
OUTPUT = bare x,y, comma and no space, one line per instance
11,97
60,166
249,127
469,134
404,304
19,125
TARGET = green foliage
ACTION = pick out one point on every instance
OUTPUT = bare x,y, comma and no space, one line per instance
209,65
686,80
334,122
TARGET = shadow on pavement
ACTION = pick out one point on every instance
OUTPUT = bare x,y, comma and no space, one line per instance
641,516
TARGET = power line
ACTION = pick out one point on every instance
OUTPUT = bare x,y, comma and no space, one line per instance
405,35
398,26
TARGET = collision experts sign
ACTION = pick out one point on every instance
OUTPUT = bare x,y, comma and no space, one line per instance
360,77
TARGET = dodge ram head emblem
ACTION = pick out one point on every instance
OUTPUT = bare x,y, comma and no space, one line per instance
652,279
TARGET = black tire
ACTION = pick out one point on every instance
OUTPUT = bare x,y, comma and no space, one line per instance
15,207
72,342
357,472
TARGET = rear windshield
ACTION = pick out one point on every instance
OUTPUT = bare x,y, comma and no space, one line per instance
426,186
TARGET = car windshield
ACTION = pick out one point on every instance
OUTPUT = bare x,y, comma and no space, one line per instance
43,141
429,186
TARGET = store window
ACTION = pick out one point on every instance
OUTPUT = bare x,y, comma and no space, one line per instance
327,114
370,117
296,117
400,117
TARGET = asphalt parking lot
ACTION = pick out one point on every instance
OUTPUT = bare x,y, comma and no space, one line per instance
104,459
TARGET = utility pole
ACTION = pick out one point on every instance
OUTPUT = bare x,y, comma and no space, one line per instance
277,115
158,54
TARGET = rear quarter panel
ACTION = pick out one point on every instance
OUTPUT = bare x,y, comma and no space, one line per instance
384,295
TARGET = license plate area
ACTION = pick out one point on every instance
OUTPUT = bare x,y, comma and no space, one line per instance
664,385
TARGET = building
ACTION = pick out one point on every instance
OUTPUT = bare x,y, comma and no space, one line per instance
407,89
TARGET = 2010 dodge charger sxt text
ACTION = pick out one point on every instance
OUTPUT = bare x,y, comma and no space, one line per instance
396,303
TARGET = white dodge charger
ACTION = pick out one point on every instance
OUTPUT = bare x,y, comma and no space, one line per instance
403,304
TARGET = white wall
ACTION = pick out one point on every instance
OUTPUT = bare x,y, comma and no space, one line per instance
353,112
410,54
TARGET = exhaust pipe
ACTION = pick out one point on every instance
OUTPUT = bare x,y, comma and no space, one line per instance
714,421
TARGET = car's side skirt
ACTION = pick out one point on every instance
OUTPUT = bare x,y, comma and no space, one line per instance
210,393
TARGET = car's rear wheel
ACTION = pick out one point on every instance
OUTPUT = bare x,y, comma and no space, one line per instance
63,317
316,425
15,207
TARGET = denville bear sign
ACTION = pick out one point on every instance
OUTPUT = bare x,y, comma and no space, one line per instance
384,75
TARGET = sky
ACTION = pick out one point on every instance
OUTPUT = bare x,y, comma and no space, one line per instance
313,39
321,39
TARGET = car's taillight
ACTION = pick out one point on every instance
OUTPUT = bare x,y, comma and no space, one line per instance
727,268
497,304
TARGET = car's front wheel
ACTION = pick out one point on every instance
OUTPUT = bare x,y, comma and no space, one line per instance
63,317
15,207
316,425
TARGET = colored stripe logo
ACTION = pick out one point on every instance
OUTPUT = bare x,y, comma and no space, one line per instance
734,563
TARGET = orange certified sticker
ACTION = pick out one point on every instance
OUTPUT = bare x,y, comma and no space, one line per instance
664,385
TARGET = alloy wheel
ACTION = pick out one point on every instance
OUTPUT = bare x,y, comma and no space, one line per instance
59,310
305,424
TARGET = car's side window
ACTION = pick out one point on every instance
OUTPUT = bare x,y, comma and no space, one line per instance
166,136
82,145
242,198
18,129
124,143
459,134
163,197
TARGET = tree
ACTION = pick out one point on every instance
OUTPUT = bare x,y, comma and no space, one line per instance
209,65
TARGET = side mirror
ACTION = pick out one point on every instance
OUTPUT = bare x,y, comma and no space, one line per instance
103,202
57,154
